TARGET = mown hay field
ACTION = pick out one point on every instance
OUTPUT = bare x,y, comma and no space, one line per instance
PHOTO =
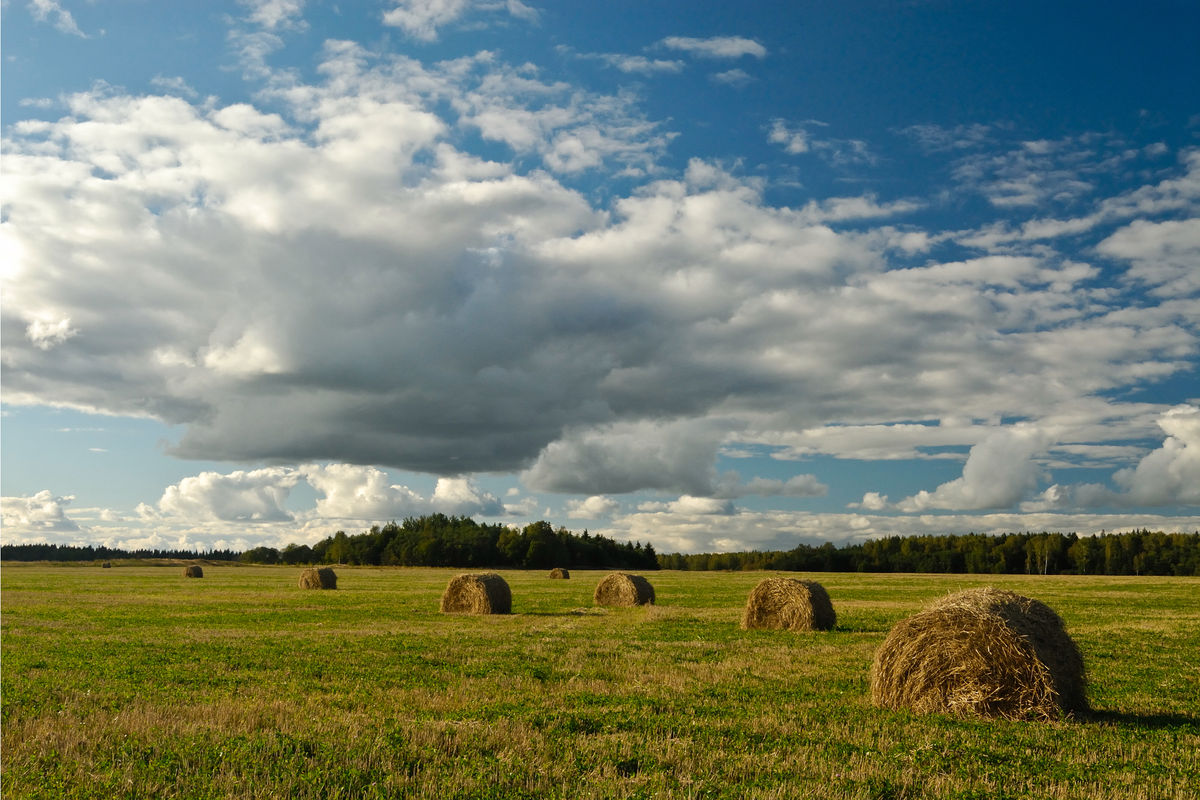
137,682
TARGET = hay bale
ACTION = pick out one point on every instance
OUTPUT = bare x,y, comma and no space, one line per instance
193,571
623,589
106,565
983,652
485,593
559,572
318,578
789,604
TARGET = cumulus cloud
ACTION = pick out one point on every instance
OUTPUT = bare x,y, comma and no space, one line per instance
1170,474
594,507
460,496
42,513
336,273
1000,471
240,496
350,491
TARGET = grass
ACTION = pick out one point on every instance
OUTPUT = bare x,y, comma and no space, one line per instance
141,683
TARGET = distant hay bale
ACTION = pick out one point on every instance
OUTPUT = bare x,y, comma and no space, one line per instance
318,578
485,593
559,572
789,604
193,571
106,565
623,589
983,652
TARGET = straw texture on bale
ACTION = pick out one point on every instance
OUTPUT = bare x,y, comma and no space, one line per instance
982,652
193,571
318,578
485,593
623,589
559,572
789,604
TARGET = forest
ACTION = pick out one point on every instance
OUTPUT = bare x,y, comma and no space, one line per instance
438,540
1137,552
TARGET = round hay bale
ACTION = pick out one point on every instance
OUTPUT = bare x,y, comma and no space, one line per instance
623,589
982,652
789,604
193,571
485,593
106,565
318,578
559,572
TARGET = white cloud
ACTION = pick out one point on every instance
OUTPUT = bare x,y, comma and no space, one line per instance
460,496
594,507
241,496
38,515
638,64
1165,255
47,334
52,11
330,274
276,14
716,46
732,77
1170,474
359,492
794,140
1000,471
422,19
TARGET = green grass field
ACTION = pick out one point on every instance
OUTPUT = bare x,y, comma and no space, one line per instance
138,682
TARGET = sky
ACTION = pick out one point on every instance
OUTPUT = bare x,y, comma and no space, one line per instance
714,276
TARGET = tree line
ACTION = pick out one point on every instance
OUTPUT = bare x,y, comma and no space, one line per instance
1137,552
437,540
87,552
445,541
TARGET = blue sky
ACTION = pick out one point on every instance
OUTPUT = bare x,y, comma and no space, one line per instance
714,276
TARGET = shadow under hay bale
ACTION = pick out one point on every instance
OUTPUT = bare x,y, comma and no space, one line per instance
559,572
318,578
623,589
193,571
485,593
983,652
789,604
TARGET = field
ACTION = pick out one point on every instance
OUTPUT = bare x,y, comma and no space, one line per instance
137,682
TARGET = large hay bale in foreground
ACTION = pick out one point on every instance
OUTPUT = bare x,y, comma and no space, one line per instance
485,593
193,571
789,604
559,572
623,589
984,652
318,578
